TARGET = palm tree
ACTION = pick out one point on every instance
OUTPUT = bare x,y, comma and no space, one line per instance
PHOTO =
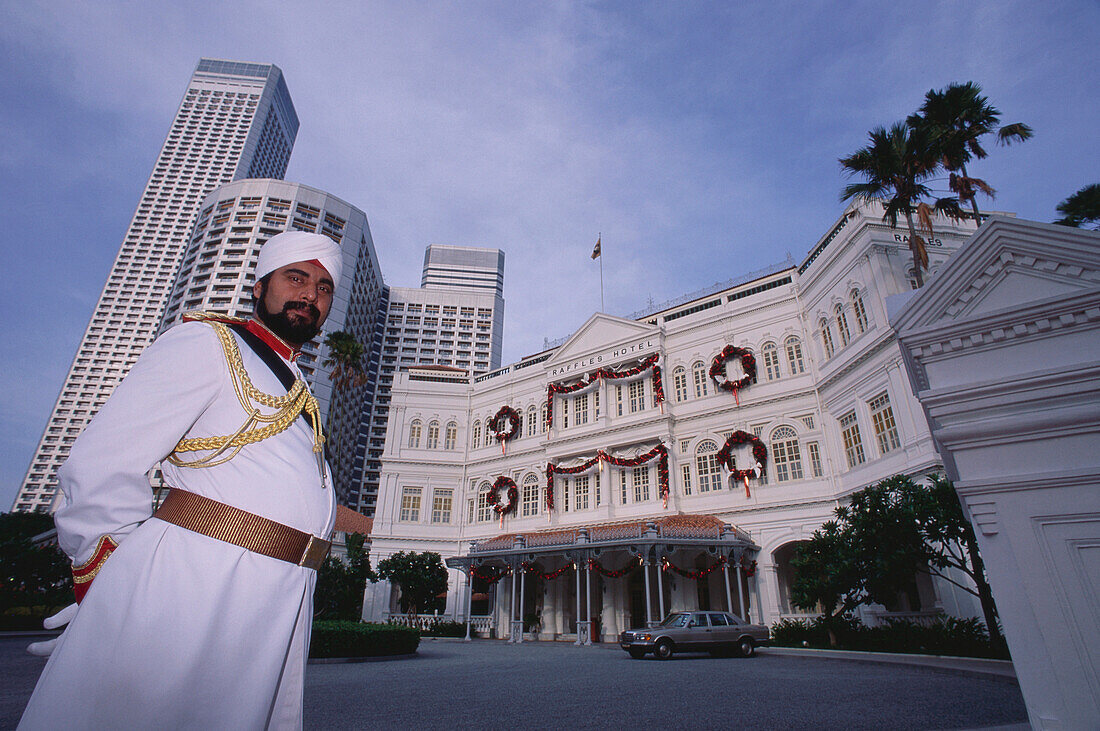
895,167
1081,208
955,119
345,356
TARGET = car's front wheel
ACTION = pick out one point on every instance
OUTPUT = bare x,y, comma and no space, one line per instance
746,647
663,650
637,654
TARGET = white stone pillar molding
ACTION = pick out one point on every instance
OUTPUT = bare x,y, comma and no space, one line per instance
469,598
648,600
522,598
512,609
588,602
741,594
729,594
660,590
580,623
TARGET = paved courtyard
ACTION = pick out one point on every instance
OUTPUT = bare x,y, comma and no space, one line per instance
492,685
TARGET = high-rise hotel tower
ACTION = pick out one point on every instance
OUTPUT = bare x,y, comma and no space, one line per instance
236,121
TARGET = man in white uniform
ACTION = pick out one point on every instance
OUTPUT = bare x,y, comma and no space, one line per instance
200,618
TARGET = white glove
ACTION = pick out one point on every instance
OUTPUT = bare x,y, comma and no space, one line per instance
62,618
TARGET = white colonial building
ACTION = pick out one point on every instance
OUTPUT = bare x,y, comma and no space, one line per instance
593,536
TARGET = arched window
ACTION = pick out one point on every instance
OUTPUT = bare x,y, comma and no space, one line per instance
433,435
911,275
532,421
699,377
771,361
680,383
543,419
484,511
530,500
842,325
826,337
489,435
859,311
794,356
706,465
785,455
414,434
475,435
451,436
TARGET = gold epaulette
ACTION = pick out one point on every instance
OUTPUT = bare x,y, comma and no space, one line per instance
203,316
258,426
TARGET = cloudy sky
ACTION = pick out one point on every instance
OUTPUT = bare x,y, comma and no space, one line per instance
700,139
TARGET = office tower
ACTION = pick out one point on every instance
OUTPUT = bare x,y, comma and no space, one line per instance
236,120
217,275
455,320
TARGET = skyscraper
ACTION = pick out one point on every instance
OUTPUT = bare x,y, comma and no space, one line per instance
217,274
236,120
454,320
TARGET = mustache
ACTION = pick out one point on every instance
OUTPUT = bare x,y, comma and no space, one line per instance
305,306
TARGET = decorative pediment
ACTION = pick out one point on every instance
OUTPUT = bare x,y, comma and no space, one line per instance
606,336
1009,263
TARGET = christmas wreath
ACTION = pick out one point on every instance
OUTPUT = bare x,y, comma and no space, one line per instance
759,453
497,424
718,369
493,498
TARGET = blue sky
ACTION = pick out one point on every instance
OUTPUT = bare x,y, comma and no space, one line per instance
700,139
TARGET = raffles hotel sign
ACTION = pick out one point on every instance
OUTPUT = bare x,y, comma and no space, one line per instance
634,350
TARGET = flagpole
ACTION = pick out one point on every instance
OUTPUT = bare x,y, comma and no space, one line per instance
600,239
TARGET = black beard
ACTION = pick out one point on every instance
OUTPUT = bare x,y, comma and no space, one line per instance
296,332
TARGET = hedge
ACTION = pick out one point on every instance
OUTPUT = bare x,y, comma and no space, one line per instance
356,639
27,619
448,629
946,636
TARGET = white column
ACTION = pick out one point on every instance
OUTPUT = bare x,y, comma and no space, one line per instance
577,571
512,610
522,596
469,599
741,594
661,591
588,603
648,602
729,596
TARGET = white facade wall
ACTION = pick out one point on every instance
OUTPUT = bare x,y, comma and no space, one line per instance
803,409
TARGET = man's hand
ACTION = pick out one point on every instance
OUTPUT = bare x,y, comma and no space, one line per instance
62,618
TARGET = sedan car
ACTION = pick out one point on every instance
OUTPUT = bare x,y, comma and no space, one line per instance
716,632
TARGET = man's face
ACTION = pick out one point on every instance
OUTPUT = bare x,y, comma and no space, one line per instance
294,301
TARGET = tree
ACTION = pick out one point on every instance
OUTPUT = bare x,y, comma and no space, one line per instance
340,585
33,575
1082,208
345,357
895,166
421,577
883,538
954,120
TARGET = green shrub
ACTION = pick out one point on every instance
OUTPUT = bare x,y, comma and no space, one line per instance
947,636
448,629
356,639
25,619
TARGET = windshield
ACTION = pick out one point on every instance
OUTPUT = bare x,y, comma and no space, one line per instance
675,620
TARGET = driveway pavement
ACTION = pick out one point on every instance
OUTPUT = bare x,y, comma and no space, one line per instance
488,684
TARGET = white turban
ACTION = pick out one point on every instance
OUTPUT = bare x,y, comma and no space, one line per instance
291,247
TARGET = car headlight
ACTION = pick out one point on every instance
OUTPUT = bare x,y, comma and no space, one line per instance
644,638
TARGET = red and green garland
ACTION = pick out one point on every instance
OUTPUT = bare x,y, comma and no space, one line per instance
494,499
532,569
759,453
660,452
649,363
492,576
718,369
497,425
749,569
666,565
595,566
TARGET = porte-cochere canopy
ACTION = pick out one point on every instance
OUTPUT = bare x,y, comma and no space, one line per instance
628,559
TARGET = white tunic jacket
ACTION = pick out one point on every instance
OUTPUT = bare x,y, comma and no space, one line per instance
179,630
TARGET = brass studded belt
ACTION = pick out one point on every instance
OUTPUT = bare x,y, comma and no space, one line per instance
241,528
